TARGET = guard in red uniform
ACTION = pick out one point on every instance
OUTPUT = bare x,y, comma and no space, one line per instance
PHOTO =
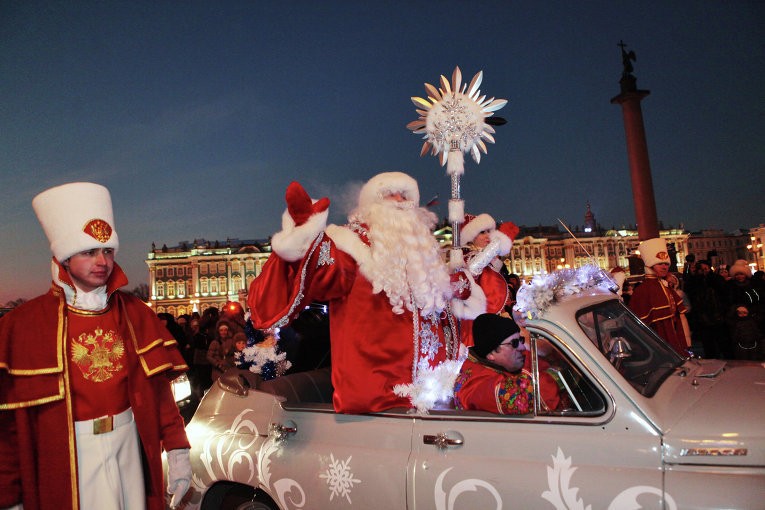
655,303
86,406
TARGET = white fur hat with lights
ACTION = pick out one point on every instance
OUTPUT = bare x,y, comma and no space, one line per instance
76,217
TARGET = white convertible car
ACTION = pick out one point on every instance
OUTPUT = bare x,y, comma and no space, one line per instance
641,428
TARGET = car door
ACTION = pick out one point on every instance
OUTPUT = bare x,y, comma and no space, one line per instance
333,461
595,450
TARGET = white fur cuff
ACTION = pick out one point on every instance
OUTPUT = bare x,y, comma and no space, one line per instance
292,242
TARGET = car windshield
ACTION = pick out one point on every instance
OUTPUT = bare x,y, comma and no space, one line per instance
643,358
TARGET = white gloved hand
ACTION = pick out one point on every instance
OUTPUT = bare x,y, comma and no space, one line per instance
484,257
178,474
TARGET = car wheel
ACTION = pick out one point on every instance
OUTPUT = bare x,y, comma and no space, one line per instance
255,505
229,496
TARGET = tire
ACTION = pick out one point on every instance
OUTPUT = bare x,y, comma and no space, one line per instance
231,496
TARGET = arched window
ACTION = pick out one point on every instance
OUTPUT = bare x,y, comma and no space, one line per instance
160,289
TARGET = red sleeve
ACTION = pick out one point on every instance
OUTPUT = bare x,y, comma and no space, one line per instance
548,390
495,287
172,430
283,289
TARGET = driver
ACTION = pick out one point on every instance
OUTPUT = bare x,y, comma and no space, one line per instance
496,377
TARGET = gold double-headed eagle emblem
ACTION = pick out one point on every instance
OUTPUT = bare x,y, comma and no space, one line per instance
99,354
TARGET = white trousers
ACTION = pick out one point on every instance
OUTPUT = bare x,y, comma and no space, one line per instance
109,467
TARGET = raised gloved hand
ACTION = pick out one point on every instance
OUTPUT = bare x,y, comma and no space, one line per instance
300,205
178,474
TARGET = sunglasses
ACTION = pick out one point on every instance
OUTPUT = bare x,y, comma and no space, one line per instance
514,342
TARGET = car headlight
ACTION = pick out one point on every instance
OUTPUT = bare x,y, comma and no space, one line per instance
181,387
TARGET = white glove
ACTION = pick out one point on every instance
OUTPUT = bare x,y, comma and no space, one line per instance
484,257
178,474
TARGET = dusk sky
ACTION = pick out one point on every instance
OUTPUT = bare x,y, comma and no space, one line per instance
197,115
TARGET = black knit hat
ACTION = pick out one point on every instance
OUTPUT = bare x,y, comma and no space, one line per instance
490,330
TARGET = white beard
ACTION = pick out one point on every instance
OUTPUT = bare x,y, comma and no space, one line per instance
405,257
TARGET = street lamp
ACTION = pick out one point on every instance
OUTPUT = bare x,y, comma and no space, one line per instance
754,249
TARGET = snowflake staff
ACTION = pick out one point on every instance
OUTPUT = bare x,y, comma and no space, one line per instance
453,119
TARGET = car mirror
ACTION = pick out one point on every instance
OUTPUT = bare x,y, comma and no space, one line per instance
619,351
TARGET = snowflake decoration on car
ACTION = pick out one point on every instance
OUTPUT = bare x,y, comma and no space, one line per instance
452,118
339,478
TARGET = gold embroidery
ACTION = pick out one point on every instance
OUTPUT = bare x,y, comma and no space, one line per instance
98,355
99,230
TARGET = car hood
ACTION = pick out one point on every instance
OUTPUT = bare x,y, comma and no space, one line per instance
723,425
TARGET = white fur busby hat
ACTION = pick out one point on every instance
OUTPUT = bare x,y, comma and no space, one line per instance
385,183
474,225
76,217
654,251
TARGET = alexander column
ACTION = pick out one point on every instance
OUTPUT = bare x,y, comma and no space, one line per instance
637,149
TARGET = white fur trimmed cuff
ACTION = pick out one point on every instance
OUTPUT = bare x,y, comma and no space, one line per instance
292,242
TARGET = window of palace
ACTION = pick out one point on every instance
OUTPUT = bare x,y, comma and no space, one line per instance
160,289
181,288
235,265
249,265
204,268
222,284
170,289
170,271
160,272
221,267
213,285
204,287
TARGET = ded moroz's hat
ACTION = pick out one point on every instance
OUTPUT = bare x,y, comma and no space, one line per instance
377,187
490,330
474,225
654,251
76,217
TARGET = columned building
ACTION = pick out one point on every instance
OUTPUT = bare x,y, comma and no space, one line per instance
720,247
192,277
533,254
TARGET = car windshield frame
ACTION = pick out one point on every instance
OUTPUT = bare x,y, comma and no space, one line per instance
643,358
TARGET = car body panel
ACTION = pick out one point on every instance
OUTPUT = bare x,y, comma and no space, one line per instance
693,441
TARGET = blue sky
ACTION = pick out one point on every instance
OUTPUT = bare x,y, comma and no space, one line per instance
196,115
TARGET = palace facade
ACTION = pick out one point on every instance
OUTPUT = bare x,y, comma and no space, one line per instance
194,276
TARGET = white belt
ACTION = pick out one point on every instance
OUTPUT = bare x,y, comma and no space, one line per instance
104,424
